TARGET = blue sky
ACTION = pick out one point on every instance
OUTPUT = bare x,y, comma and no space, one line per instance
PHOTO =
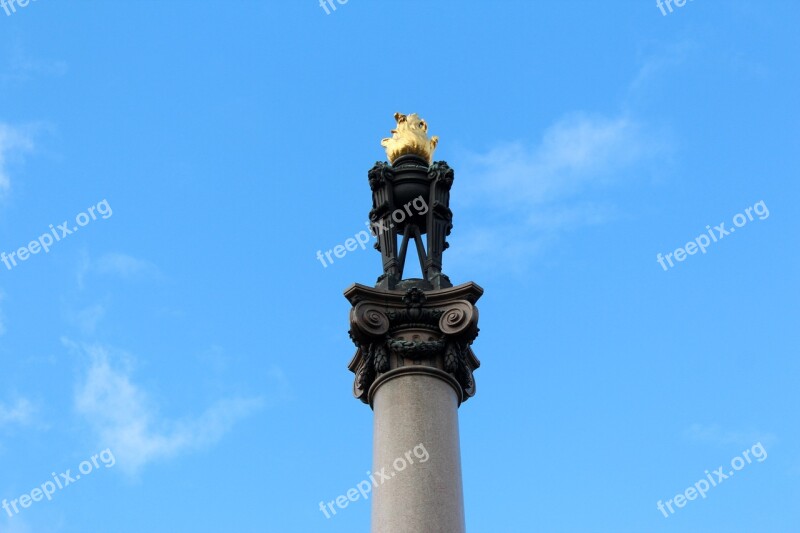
189,329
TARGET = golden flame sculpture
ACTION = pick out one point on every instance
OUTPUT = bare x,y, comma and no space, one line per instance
410,137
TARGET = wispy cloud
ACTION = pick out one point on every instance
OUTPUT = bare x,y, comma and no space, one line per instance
575,153
14,525
529,194
116,264
125,266
13,141
657,58
125,418
88,318
19,412
714,433
21,67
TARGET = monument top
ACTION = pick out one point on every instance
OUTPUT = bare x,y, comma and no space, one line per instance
410,137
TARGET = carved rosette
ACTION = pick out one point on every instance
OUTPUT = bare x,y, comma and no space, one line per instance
402,329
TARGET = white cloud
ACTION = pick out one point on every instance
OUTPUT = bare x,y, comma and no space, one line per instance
125,266
20,412
657,59
22,67
529,194
574,153
88,318
716,435
126,420
281,387
12,141
116,264
14,524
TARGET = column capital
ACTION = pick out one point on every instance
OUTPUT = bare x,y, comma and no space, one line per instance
397,331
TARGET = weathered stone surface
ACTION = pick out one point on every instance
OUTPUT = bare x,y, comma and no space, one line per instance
415,407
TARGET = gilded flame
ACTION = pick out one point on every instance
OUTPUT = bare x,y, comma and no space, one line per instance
410,137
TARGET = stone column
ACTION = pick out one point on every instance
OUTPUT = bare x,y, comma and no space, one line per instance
413,366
